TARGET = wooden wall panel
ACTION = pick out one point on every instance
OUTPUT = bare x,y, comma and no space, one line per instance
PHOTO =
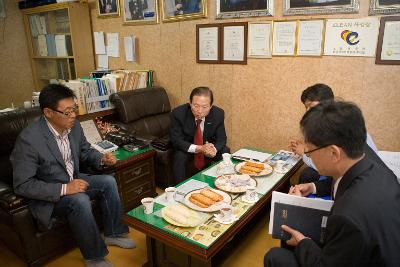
261,99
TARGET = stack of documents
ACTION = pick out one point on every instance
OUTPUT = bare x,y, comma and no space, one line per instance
247,154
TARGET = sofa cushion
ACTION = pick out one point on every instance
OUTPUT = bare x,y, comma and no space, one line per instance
136,104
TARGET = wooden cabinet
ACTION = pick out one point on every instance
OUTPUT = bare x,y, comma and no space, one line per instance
59,41
135,179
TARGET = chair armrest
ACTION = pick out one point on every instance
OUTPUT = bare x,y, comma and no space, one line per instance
9,201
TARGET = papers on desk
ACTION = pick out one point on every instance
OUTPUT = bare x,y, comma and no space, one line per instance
93,137
212,172
392,160
247,154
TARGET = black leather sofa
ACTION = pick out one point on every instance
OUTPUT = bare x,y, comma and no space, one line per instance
18,229
146,114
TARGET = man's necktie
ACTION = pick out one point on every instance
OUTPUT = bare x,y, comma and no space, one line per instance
198,140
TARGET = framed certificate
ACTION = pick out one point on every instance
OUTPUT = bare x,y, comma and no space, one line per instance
259,39
208,43
388,49
284,38
234,43
310,37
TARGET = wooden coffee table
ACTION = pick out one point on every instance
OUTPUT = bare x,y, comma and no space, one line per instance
176,246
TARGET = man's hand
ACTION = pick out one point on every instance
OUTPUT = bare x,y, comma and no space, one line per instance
301,189
296,236
211,151
207,150
297,146
109,159
76,186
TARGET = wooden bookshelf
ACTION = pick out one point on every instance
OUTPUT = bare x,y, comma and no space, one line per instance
46,29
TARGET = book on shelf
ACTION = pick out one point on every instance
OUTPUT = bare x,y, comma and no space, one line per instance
133,79
42,45
78,88
306,215
51,45
63,45
97,92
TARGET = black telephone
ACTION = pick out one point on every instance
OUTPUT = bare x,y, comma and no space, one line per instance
120,138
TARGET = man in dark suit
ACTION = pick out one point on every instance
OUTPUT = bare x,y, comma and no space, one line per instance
197,132
363,226
46,170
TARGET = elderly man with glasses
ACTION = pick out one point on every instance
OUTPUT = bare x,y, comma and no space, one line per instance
46,160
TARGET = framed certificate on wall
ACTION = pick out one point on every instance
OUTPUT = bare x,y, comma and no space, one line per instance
259,39
310,37
234,43
284,38
208,43
388,49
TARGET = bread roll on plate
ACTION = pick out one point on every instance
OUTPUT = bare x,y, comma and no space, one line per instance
202,199
180,215
211,194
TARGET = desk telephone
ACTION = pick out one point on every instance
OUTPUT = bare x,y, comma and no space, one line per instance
126,140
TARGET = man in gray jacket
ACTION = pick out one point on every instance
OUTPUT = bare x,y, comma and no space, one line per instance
46,170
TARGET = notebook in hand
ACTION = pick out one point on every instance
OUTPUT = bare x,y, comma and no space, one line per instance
309,221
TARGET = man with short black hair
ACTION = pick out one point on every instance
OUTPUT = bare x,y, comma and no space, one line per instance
312,96
46,170
362,229
197,132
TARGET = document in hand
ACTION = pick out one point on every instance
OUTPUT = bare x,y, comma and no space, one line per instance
307,215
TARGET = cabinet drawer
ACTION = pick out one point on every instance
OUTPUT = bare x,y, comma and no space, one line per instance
134,174
132,196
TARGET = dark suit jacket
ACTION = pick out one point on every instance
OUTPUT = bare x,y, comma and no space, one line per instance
183,128
324,187
39,170
363,228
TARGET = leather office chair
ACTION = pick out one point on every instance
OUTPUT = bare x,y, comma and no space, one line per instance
18,229
146,114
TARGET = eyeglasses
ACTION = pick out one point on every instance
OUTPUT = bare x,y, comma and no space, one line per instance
67,113
307,153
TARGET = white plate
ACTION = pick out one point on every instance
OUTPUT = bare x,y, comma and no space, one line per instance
233,219
250,201
217,206
193,223
283,171
267,169
228,183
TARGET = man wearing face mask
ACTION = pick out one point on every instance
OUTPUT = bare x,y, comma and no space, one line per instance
362,228
197,132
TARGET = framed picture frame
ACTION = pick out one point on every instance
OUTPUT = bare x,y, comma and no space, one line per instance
310,38
208,43
259,39
234,43
384,7
107,8
177,10
227,9
351,37
2,9
388,48
312,7
137,12
284,38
